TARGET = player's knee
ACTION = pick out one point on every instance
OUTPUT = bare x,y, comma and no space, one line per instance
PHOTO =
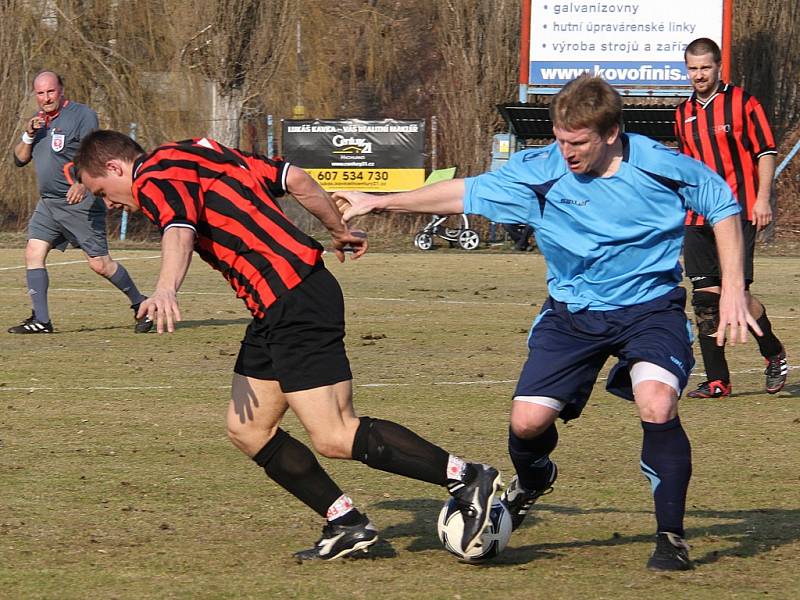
755,306
658,415
248,437
239,425
34,257
236,430
335,442
527,428
238,435
706,312
331,446
102,265
529,419
658,406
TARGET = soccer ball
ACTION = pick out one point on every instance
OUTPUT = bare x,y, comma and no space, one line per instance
493,540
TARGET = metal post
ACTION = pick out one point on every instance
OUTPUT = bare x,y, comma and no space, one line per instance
434,153
524,49
787,160
299,110
123,224
766,234
270,139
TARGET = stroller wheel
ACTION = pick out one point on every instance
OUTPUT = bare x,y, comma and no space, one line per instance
423,240
458,223
469,239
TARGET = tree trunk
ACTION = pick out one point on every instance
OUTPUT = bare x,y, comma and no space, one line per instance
225,112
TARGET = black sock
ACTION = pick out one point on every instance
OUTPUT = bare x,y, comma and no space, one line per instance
768,344
391,447
667,463
38,282
531,457
352,517
293,466
714,359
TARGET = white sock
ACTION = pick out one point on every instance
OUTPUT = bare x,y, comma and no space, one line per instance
455,468
342,506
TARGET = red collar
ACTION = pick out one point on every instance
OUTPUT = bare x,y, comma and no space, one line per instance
48,117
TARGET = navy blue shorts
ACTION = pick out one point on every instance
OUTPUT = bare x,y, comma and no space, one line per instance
567,350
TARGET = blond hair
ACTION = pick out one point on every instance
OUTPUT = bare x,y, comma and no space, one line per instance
587,101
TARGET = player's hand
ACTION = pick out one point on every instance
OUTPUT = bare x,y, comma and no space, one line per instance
353,204
352,240
35,124
734,314
762,213
161,307
76,193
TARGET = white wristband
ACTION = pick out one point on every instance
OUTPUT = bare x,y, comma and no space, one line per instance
26,139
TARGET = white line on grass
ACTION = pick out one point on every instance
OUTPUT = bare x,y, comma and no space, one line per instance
428,301
358,298
32,389
80,262
227,293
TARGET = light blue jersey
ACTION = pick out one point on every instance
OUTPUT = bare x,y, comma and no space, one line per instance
609,242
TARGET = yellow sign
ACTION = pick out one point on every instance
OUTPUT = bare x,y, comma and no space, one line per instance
372,180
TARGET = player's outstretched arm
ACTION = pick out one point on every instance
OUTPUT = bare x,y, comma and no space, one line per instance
317,201
442,198
177,246
733,306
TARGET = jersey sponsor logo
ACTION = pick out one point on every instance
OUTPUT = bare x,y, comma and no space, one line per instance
57,143
535,154
724,128
573,202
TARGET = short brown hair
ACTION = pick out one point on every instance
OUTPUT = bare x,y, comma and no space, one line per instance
103,145
587,101
702,46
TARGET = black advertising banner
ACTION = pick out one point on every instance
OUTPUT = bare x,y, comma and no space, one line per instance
351,154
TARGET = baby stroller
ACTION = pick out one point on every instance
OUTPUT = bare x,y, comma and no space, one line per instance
452,228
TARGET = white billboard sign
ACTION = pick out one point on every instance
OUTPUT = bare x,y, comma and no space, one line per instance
633,43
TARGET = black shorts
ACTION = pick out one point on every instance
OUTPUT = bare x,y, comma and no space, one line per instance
300,341
700,252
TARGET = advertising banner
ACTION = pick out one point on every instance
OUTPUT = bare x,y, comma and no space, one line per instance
351,154
628,43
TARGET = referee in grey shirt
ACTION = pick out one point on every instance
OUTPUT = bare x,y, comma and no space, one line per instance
66,213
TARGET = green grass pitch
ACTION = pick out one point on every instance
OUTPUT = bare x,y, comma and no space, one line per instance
117,480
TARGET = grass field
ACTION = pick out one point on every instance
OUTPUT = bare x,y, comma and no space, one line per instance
117,480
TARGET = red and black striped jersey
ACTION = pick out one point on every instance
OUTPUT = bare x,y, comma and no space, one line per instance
228,197
729,132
